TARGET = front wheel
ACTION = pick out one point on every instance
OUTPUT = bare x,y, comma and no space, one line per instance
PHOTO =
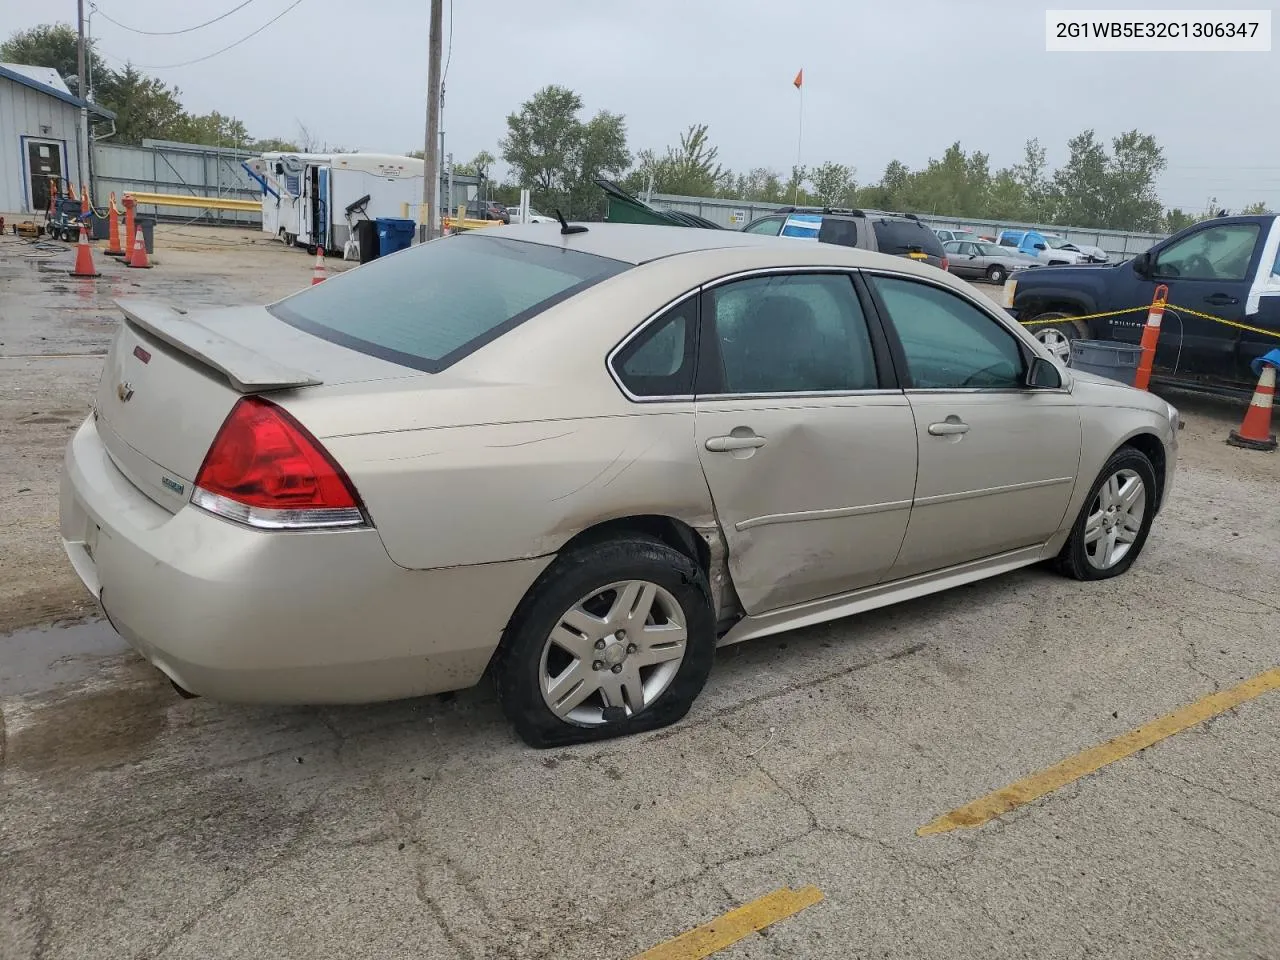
1113,524
1055,331
615,638
996,273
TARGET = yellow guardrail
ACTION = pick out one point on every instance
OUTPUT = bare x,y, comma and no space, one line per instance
198,203
465,223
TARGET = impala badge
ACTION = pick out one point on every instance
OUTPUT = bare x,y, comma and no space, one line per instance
124,390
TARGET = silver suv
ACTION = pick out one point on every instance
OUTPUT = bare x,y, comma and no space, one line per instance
900,234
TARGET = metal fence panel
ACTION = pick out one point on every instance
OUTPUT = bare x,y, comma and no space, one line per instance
178,168
736,213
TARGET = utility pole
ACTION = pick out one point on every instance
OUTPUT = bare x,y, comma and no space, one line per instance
431,149
82,90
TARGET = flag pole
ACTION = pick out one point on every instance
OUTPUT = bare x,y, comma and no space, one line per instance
799,83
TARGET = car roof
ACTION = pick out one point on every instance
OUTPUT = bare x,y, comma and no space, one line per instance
643,243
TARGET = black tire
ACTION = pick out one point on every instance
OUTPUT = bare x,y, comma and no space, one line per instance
1072,560
1062,328
572,576
996,273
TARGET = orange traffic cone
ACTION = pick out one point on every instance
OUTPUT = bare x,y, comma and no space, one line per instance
138,258
1255,430
84,256
113,230
84,200
317,272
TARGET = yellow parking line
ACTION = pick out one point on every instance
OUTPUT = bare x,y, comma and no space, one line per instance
728,929
1034,787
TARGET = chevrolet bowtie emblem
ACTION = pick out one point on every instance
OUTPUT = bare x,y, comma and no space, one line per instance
124,390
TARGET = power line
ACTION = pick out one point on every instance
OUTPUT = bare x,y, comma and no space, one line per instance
166,33
187,63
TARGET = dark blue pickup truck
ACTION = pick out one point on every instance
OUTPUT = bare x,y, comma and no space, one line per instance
1227,267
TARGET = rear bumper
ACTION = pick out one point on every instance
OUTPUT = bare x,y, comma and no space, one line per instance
283,617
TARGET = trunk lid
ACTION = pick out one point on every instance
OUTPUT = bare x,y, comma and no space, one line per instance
171,377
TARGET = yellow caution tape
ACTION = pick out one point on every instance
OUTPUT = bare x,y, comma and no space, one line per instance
1169,306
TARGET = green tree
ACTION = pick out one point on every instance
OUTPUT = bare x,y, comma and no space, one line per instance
601,152
1032,182
833,184
541,139
1256,209
274,145
1175,220
145,107
1081,189
1130,198
213,129
56,45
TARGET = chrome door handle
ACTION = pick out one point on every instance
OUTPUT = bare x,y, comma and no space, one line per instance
948,428
726,444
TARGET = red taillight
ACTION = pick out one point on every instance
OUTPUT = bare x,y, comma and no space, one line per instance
265,470
946,264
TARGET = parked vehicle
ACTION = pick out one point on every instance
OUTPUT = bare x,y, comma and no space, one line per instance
306,196
1048,249
988,261
948,235
583,459
513,213
1092,254
1227,267
487,210
898,234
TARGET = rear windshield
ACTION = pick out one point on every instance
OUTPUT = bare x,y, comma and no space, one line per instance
905,236
429,306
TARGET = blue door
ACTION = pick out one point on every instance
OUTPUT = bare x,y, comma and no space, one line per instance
322,208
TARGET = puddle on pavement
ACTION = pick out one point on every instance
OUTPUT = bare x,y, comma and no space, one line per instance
42,658
89,731
62,716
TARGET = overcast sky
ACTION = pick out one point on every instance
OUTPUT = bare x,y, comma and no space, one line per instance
883,78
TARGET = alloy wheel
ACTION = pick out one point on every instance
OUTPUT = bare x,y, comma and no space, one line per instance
613,653
1115,519
1056,342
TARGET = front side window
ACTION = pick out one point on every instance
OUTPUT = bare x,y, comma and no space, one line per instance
800,333
1214,253
949,344
431,305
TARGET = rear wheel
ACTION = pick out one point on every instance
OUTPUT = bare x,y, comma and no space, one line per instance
1055,331
1114,522
996,273
614,638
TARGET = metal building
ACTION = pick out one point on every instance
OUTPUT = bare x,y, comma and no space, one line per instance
39,122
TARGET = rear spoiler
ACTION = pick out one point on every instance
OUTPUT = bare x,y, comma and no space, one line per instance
248,371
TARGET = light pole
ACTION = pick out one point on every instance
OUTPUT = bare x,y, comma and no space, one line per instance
431,148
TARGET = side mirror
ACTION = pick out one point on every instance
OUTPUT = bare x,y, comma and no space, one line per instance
1043,375
1142,264
1041,246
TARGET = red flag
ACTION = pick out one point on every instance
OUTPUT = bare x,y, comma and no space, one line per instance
799,80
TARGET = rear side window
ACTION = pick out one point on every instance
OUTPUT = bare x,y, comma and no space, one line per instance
906,236
769,226
791,334
659,362
429,306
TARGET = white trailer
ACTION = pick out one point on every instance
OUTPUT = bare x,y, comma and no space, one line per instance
312,198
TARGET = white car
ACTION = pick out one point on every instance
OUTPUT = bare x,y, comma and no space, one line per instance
1088,253
534,216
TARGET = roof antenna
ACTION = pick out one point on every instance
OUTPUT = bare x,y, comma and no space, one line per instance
566,228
